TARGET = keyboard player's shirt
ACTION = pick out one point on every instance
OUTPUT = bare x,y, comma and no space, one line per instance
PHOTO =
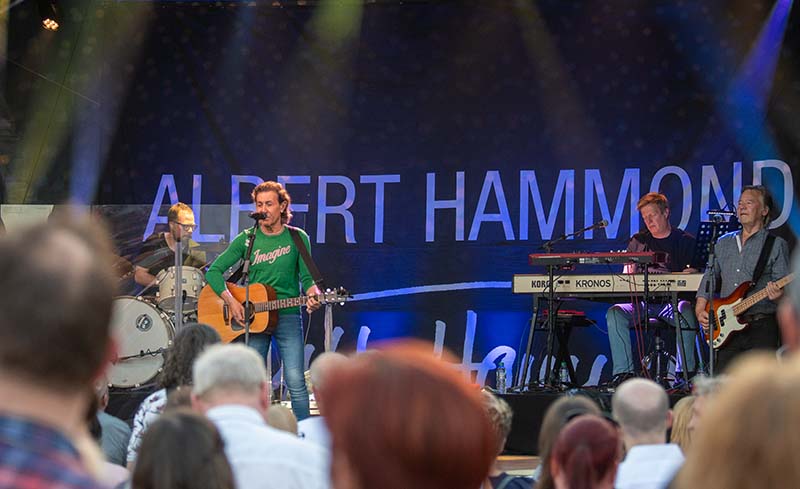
679,248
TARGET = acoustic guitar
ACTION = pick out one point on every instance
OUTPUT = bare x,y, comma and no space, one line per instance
724,319
263,308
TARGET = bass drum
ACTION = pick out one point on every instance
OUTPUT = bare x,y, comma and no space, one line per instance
144,334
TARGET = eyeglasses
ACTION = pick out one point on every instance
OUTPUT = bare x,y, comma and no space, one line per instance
187,227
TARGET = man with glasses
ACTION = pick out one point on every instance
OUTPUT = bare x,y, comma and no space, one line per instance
158,251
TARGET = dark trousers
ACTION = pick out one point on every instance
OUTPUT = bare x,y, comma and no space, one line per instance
762,334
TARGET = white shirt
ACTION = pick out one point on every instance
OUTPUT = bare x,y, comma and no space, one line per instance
649,466
262,457
315,430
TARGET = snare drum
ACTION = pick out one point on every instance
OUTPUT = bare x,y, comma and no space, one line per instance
144,334
193,282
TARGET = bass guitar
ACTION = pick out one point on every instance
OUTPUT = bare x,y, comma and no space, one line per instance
724,319
262,308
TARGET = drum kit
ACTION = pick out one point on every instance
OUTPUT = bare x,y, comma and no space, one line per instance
145,326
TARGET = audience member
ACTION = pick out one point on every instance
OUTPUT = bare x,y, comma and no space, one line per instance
586,454
115,433
183,450
704,389
500,415
231,388
681,417
180,397
108,473
282,418
751,428
51,355
789,311
641,407
313,428
401,418
177,370
556,416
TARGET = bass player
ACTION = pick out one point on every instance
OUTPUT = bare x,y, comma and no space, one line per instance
737,254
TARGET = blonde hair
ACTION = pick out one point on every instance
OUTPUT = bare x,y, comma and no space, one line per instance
281,418
656,198
756,427
681,415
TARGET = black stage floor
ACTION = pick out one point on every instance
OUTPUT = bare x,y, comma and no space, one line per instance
529,409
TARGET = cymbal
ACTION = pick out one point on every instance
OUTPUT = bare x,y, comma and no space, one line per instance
217,247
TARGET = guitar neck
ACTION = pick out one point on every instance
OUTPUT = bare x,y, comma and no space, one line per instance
280,304
759,296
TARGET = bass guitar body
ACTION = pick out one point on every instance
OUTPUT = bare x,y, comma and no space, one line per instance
722,319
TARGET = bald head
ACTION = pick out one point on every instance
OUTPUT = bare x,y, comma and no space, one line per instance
642,408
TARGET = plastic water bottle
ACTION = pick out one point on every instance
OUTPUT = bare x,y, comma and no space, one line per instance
500,383
563,374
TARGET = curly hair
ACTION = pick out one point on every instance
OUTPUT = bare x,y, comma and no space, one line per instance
283,196
187,345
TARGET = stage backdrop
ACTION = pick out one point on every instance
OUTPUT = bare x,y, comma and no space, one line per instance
429,147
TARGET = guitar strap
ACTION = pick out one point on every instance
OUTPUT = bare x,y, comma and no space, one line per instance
766,250
301,247
312,268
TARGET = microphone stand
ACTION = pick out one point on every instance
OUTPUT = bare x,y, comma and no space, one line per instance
551,299
246,274
178,282
711,288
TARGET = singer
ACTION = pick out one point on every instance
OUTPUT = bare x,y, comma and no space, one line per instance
275,261
679,247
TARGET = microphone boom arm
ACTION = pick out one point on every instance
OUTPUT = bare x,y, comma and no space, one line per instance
598,225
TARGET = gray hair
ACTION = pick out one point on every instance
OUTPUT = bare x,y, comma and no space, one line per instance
228,367
706,386
323,364
641,406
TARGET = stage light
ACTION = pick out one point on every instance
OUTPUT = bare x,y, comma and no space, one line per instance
49,13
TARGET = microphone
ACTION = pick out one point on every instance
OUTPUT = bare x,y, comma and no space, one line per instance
720,212
600,225
258,215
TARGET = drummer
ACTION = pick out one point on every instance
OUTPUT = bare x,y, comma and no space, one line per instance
158,251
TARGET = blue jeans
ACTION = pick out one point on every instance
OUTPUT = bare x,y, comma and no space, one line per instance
619,318
289,339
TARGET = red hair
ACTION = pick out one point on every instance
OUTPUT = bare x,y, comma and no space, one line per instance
587,451
401,418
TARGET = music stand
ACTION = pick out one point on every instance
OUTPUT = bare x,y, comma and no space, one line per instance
704,234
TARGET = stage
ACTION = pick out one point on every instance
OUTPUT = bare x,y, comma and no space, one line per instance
529,409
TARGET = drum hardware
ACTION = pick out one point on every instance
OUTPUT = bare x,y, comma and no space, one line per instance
143,353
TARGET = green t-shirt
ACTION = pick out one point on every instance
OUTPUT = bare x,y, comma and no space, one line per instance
275,261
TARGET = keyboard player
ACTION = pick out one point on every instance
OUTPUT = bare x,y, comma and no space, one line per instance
679,247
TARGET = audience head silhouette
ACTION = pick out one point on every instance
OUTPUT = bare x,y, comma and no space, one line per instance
399,418
586,454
